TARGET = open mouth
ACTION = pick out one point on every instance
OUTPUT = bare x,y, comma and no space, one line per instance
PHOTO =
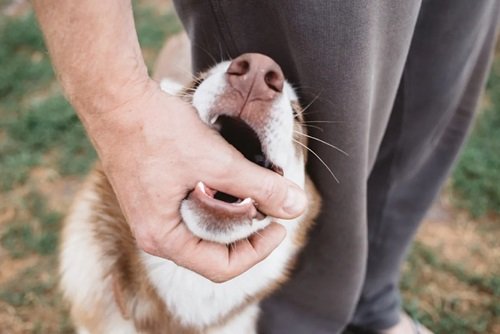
246,141
239,134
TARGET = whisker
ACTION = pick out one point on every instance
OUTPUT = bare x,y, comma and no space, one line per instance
191,75
312,126
220,51
323,99
321,160
322,141
323,122
309,113
310,103
227,55
215,62
259,234
208,91
304,90
232,246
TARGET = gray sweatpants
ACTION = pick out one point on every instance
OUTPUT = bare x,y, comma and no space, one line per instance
394,83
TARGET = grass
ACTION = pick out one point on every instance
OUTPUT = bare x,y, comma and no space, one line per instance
451,312
25,63
476,178
33,294
38,233
39,130
49,125
35,119
34,126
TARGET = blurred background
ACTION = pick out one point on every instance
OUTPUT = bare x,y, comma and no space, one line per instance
450,282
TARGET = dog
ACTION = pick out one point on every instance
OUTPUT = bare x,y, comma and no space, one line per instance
114,287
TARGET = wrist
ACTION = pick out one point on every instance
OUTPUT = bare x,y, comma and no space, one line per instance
101,91
129,122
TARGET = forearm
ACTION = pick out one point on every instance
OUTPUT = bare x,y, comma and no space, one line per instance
95,51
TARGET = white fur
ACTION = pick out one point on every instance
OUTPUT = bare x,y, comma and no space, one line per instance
82,331
276,139
193,299
80,247
197,301
83,277
244,323
170,87
208,91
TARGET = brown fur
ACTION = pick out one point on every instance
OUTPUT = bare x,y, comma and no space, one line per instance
133,294
132,290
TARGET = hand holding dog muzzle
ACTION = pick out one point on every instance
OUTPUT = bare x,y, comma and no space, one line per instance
154,150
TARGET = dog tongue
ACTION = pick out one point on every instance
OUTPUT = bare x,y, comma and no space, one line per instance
204,197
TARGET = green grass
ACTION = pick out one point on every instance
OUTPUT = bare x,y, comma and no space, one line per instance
45,126
37,125
38,128
38,233
33,130
25,63
476,178
447,315
152,28
33,127
34,291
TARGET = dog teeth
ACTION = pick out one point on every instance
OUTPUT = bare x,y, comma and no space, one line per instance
214,119
244,202
201,186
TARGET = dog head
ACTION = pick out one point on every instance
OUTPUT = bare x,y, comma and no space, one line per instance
249,102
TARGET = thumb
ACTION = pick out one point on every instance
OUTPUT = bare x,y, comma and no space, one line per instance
275,195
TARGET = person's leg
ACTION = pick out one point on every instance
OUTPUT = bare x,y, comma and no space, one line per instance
446,68
346,57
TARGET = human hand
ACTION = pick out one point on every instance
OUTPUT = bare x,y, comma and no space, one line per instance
154,149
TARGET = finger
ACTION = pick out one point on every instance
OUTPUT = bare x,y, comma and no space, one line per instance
218,262
247,253
274,194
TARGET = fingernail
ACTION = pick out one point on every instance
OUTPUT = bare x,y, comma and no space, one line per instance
295,201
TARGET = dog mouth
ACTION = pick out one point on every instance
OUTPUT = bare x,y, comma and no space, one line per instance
246,140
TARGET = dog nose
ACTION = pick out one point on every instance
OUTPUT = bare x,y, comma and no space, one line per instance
256,76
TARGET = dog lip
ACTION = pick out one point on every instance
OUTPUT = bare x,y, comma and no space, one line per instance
276,169
203,196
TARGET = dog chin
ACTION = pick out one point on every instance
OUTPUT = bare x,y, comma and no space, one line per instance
223,232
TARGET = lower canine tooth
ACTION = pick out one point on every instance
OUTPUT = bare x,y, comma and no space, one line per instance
214,119
245,201
201,185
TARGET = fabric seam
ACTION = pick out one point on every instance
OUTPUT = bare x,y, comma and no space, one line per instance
376,239
223,27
